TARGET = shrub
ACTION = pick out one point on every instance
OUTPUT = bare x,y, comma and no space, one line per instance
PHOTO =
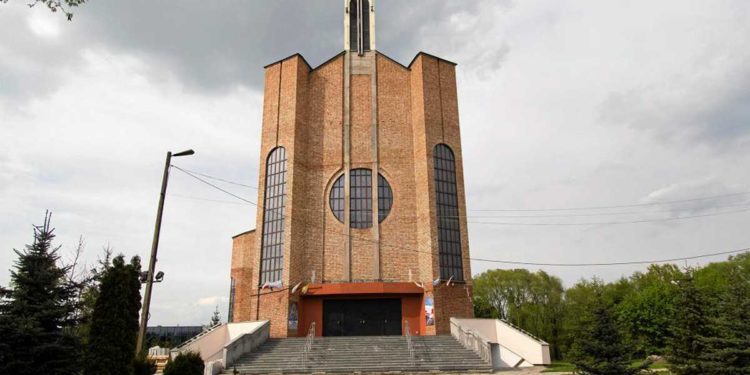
142,365
189,363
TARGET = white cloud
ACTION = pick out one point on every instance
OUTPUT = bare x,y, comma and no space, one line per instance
212,301
44,24
562,104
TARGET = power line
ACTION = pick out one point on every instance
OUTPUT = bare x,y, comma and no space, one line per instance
216,178
195,175
610,222
615,206
215,187
207,199
614,263
499,260
538,209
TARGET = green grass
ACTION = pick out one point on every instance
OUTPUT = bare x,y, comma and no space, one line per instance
560,367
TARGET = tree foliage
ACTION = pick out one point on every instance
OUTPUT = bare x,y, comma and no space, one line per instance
114,321
598,348
727,345
215,318
533,301
63,6
699,319
37,314
189,363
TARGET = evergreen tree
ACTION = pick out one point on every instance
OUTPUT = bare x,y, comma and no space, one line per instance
727,349
114,321
37,314
688,326
189,363
599,348
216,318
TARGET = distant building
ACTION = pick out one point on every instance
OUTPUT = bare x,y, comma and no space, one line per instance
361,198
171,336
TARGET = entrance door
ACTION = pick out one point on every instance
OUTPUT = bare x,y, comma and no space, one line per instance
362,317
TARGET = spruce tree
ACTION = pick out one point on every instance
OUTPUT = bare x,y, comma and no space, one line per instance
599,348
114,321
688,327
37,313
727,349
215,318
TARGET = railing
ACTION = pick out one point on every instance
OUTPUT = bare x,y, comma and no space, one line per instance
196,337
525,332
471,339
308,343
409,343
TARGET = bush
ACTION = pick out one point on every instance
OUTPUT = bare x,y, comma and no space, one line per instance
189,363
144,366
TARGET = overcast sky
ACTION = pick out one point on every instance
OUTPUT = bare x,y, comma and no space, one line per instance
563,104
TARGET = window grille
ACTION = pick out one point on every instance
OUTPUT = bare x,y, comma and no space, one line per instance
360,198
448,225
272,248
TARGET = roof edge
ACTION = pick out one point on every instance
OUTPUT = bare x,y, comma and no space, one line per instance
420,53
430,55
305,60
287,58
243,233
392,60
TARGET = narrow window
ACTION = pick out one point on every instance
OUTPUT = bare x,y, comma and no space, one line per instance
230,314
449,230
272,248
360,210
355,12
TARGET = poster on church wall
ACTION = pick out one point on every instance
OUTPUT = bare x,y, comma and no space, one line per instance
429,311
293,316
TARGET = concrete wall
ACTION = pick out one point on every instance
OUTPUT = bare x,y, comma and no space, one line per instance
211,345
513,344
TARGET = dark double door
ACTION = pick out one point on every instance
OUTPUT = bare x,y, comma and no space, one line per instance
365,317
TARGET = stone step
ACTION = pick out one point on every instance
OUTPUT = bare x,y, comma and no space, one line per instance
370,354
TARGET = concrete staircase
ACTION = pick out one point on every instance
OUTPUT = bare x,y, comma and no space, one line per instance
372,354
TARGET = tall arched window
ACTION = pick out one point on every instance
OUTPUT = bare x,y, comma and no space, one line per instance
272,245
448,224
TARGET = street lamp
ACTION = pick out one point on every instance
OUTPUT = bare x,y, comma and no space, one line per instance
154,246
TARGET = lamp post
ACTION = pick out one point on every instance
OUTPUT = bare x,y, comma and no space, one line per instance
154,247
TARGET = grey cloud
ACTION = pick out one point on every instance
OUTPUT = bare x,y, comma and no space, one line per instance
717,117
213,46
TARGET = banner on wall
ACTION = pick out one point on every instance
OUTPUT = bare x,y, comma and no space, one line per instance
293,316
429,311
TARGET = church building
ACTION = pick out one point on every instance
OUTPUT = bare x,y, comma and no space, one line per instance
361,217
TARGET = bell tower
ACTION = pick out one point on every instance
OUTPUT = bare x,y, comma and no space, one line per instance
359,26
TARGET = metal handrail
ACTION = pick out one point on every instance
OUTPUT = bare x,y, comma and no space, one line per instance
308,343
472,339
409,343
527,333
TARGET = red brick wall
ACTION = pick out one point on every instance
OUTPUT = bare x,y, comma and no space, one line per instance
417,108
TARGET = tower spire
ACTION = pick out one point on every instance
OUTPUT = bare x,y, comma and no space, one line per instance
359,25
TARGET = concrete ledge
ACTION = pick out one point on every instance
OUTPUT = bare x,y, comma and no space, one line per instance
245,343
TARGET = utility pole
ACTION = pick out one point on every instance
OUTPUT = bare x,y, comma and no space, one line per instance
154,248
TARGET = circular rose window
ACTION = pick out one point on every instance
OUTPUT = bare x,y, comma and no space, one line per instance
360,198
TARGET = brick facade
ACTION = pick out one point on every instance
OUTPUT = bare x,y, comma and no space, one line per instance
351,112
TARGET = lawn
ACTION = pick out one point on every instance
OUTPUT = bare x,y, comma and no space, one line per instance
559,366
